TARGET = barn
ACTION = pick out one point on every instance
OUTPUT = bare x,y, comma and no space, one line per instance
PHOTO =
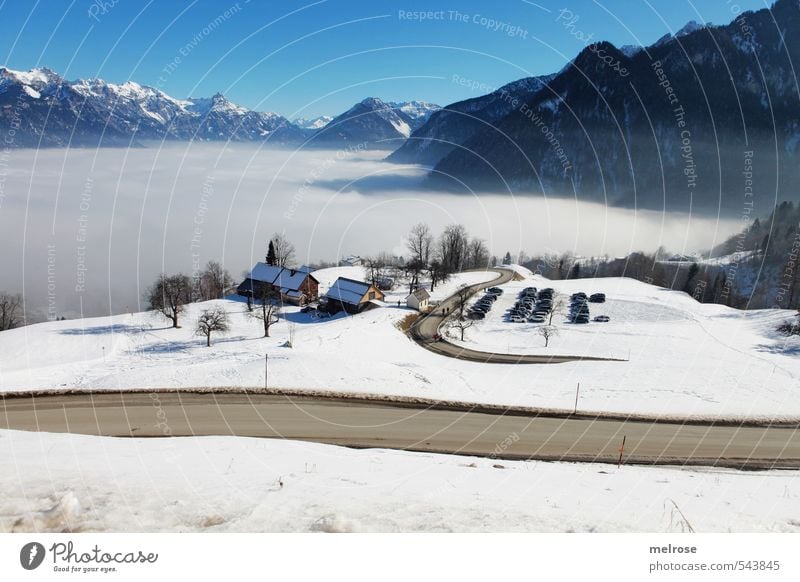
352,296
296,286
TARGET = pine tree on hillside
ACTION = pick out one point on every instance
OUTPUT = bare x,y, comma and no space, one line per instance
271,258
690,277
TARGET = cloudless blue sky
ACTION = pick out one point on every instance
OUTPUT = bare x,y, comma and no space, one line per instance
306,58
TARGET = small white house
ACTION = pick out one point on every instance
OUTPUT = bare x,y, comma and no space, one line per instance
352,261
418,300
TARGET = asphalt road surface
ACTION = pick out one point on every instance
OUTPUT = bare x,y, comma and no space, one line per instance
363,423
426,328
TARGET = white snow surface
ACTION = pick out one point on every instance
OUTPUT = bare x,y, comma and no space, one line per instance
682,358
73,483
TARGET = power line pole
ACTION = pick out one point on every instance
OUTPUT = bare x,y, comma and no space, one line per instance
266,371
577,391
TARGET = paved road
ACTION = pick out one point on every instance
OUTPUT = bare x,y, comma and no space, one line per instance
425,328
362,423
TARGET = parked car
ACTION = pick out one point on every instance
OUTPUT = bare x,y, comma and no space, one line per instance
475,315
495,290
602,318
537,318
517,319
597,298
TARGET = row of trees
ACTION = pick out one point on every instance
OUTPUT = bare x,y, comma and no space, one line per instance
170,294
439,257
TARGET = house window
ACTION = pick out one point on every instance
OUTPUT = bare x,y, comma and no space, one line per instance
371,295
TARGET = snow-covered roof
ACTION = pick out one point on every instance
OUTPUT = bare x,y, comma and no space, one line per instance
265,273
420,294
348,290
280,276
292,278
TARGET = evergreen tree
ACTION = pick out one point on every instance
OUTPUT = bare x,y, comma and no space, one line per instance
507,259
271,258
690,277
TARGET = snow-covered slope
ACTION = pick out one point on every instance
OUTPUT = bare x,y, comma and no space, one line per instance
685,358
55,483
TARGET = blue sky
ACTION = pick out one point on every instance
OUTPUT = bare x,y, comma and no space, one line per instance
306,58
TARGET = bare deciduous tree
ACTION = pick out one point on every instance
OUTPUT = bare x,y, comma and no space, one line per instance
419,243
461,323
212,320
437,273
459,320
213,280
376,268
452,251
558,307
268,307
477,254
547,332
169,295
10,307
284,250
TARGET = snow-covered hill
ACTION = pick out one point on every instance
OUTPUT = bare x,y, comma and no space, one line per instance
686,358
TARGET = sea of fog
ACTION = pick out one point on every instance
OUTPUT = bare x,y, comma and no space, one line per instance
86,231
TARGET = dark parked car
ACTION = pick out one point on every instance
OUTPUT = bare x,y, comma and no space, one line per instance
597,298
475,315
602,318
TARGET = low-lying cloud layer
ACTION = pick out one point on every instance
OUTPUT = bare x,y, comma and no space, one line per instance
87,230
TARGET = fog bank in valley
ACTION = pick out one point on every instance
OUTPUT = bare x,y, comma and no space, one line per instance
87,230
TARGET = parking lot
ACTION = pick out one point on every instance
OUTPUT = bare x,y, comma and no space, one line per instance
591,319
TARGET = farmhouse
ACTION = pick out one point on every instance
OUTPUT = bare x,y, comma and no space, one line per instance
296,286
352,296
418,300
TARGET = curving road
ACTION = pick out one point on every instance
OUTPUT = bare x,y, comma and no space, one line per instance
354,422
427,327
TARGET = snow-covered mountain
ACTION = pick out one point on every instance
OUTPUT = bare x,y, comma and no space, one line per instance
313,122
44,109
674,127
417,111
371,121
52,111
446,127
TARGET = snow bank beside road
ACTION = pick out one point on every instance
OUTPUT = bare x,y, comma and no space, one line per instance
229,484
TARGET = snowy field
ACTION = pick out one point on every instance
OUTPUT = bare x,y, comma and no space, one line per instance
217,484
685,358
